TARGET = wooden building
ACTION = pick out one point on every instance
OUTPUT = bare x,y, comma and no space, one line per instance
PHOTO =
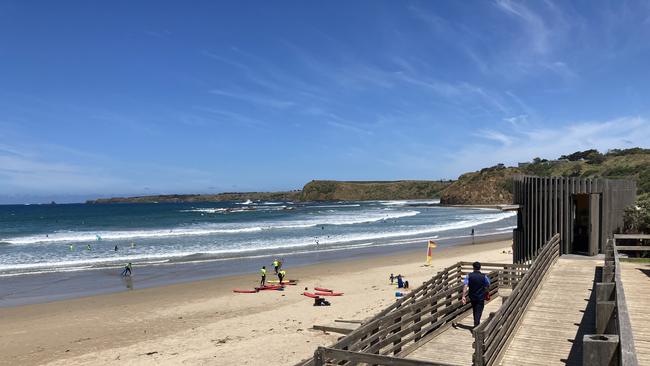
584,211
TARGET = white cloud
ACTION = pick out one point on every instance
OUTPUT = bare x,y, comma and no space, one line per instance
512,146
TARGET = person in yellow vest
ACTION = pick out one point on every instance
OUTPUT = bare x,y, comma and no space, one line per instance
281,274
276,265
263,274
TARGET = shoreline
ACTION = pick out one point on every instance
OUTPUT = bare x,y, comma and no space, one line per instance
203,322
34,288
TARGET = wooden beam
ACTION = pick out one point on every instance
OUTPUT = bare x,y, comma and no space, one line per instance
341,355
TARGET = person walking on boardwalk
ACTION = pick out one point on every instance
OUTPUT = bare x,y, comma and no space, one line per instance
281,275
127,269
476,285
263,274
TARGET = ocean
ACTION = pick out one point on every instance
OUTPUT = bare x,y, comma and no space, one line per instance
76,237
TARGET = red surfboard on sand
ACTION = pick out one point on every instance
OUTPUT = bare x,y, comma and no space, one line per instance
322,289
269,287
328,293
309,294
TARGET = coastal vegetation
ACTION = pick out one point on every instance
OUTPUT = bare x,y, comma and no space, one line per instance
487,186
328,190
494,185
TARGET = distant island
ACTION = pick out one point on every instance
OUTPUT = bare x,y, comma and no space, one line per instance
488,186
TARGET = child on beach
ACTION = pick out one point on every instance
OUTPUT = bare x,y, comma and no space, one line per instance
392,278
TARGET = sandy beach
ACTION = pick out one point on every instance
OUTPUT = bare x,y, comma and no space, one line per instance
205,322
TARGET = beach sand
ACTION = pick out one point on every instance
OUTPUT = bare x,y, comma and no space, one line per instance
204,322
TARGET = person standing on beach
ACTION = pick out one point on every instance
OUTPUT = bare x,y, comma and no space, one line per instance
276,265
263,274
127,269
476,285
472,235
281,275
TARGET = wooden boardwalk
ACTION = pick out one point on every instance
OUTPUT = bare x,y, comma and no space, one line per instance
551,331
636,284
454,345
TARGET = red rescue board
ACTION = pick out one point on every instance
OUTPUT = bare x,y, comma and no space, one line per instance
328,293
309,294
269,287
322,289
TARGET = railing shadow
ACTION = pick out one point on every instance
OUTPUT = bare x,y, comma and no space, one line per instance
587,324
645,271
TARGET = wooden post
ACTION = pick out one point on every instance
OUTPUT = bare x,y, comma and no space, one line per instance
605,291
318,357
478,348
605,321
600,350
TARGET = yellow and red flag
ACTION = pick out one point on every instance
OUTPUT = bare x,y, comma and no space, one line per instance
430,247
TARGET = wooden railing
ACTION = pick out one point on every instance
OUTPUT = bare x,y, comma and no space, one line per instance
413,320
614,341
492,336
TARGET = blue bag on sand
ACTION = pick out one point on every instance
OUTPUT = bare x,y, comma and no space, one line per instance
398,294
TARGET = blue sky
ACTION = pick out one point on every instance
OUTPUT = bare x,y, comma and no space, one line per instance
123,97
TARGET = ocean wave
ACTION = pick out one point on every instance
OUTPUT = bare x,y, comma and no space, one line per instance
293,246
409,202
335,206
209,229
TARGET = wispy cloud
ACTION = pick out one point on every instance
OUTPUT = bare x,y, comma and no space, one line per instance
512,146
261,100
532,23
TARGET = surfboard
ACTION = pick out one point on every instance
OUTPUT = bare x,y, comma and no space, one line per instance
328,293
309,294
322,289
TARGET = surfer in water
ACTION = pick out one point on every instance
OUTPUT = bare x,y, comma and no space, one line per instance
116,247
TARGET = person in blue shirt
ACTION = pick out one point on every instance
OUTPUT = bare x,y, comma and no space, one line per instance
476,286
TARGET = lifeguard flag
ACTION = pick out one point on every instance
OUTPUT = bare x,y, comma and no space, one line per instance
430,247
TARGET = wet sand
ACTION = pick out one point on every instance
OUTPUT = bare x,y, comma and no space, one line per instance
204,322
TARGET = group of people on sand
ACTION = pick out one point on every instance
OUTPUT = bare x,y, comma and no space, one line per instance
277,267
400,281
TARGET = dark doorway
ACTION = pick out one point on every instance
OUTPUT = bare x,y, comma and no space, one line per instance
586,224
580,243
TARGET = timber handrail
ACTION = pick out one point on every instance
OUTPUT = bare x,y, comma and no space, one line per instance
492,337
322,354
618,321
404,326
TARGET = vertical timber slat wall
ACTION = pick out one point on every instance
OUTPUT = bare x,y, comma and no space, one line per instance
547,206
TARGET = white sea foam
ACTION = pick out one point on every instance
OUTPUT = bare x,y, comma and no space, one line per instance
247,202
211,229
335,206
409,202
162,254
